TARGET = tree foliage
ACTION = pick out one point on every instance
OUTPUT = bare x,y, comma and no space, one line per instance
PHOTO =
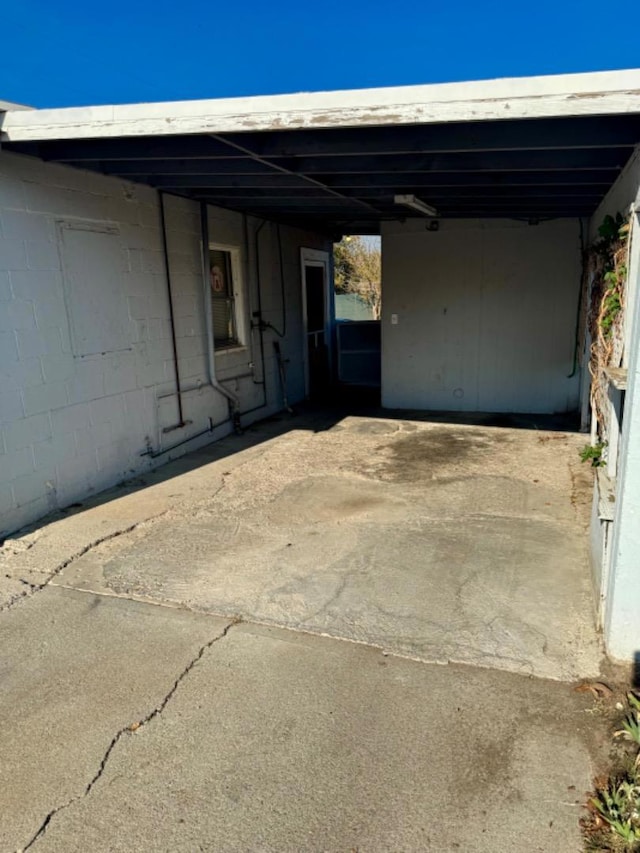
357,269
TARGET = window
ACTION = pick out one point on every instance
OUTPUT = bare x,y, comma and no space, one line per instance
224,280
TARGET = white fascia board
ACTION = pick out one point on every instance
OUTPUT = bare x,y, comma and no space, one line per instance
9,105
600,93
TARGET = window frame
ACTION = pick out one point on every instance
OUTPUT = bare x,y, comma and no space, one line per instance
237,298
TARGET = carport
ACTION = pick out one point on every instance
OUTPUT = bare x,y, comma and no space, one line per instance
536,155
527,149
500,156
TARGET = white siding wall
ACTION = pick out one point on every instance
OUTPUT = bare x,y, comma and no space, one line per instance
622,608
621,579
486,315
74,420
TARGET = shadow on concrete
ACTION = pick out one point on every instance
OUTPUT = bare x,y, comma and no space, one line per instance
309,416
366,403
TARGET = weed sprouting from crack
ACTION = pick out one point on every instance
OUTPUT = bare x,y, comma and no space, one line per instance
125,731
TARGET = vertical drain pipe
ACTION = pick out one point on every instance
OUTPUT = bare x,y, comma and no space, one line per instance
232,399
172,321
256,319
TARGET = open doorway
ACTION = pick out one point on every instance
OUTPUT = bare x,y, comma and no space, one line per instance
358,306
316,313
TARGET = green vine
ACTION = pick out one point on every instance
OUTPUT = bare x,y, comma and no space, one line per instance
594,453
613,236
606,275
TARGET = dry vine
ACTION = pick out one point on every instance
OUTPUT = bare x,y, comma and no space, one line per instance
607,271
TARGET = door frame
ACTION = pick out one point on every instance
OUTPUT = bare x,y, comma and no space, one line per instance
322,259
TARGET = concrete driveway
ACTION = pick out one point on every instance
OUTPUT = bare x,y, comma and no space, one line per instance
175,677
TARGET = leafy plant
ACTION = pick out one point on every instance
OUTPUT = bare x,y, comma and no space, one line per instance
613,228
594,453
631,723
612,305
613,823
619,805
613,232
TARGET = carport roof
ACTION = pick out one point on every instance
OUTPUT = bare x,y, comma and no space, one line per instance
536,147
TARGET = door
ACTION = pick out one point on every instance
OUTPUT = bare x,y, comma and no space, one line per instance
317,323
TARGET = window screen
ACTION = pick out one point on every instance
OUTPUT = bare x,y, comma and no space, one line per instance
222,302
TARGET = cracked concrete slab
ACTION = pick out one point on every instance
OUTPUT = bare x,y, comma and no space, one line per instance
33,556
278,741
157,724
76,669
441,542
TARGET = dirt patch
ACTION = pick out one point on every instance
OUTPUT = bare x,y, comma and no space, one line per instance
581,489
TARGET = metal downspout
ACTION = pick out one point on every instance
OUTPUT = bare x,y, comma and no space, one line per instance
256,320
172,321
234,402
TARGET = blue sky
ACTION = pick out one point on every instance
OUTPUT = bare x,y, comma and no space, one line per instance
70,53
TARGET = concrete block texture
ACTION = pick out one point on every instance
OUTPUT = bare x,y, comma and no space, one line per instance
85,319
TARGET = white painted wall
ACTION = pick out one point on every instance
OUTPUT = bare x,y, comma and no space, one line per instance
74,418
622,606
486,315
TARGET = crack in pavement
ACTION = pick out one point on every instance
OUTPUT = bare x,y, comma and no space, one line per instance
22,581
37,587
127,730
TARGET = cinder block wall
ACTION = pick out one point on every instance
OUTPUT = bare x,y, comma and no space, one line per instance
87,381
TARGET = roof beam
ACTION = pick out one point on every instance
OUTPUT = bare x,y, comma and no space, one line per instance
606,158
265,192
337,220
272,180
319,169
203,167
432,193
462,191
588,178
328,205
459,137
158,148
603,177
312,181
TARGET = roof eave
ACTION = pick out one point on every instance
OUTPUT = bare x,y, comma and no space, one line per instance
602,93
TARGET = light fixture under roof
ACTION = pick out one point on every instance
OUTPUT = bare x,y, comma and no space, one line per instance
415,203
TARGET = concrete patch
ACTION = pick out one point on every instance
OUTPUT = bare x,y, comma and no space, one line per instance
443,543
